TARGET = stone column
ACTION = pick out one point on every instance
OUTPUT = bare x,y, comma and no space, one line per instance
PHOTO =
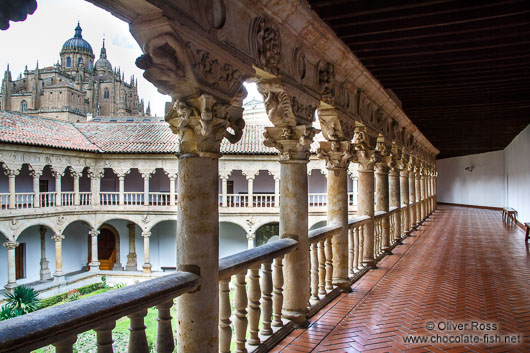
58,196
412,196
382,190
11,174
44,270
77,198
121,188
132,257
365,157
94,259
172,194
11,265
95,185
147,253
224,189
355,188
251,239
423,196
395,195
59,274
292,135
36,187
418,195
146,177
276,192
250,181
405,198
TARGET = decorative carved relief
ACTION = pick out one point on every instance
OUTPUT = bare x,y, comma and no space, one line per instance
326,82
266,45
299,62
337,154
284,109
335,125
293,143
201,124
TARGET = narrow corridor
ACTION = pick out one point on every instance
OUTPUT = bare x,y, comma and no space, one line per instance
462,267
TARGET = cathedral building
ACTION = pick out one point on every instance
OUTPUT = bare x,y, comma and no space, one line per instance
75,89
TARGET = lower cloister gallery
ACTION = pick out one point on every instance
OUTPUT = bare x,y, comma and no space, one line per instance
376,200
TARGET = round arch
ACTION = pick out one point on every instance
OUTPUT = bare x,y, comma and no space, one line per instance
232,239
163,245
318,224
108,247
268,232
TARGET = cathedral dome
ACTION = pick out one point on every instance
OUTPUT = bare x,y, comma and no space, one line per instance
102,63
77,43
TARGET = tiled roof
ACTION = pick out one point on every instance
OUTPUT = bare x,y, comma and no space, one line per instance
30,130
116,137
130,137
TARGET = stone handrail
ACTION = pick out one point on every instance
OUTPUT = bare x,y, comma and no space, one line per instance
60,325
263,298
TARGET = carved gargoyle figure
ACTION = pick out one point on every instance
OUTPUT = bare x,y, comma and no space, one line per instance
307,138
278,107
360,141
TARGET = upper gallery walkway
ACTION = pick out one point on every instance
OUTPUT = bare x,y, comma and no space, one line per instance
462,266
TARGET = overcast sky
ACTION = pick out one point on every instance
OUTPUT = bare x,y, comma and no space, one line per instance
42,35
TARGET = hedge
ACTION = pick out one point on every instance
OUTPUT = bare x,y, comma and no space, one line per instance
82,290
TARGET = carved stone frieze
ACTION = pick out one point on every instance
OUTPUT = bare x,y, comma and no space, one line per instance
293,143
326,82
202,122
365,154
299,62
287,106
266,44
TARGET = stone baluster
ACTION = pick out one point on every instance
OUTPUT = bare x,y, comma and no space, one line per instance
362,230
132,264
164,334
382,192
240,314
104,337
314,299
357,261
147,254
94,260
36,174
137,337
11,174
395,191
59,274
11,265
224,190
417,190
254,310
365,205
292,135
225,310
250,180
322,267
412,193
351,253
266,298
277,293
329,264
44,270
337,151
121,174
65,345
58,174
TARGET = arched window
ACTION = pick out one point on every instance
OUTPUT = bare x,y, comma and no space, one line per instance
106,94
68,61
23,106
79,61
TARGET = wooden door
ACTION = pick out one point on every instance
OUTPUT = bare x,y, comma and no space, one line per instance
106,249
20,260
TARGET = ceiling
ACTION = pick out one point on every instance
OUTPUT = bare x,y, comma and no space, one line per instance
460,68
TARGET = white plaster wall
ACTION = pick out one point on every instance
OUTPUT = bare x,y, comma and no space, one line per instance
264,183
484,186
517,161
232,239
4,183
134,181
240,182
24,181
163,240
75,247
317,182
3,265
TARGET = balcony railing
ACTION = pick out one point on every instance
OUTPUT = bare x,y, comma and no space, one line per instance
24,200
109,198
47,199
317,200
67,198
159,198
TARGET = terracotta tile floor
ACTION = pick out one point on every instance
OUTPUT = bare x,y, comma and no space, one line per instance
462,266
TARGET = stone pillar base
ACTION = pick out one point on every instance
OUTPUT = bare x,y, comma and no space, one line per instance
298,318
147,268
93,266
45,273
132,264
370,264
10,287
344,285
117,267
387,251
59,277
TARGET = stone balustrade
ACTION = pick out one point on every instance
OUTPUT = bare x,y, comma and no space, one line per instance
60,325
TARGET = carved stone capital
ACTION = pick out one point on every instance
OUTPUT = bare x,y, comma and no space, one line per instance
93,232
293,143
337,154
287,105
10,171
95,173
10,245
121,172
335,125
58,172
146,234
57,237
365,155
202,122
